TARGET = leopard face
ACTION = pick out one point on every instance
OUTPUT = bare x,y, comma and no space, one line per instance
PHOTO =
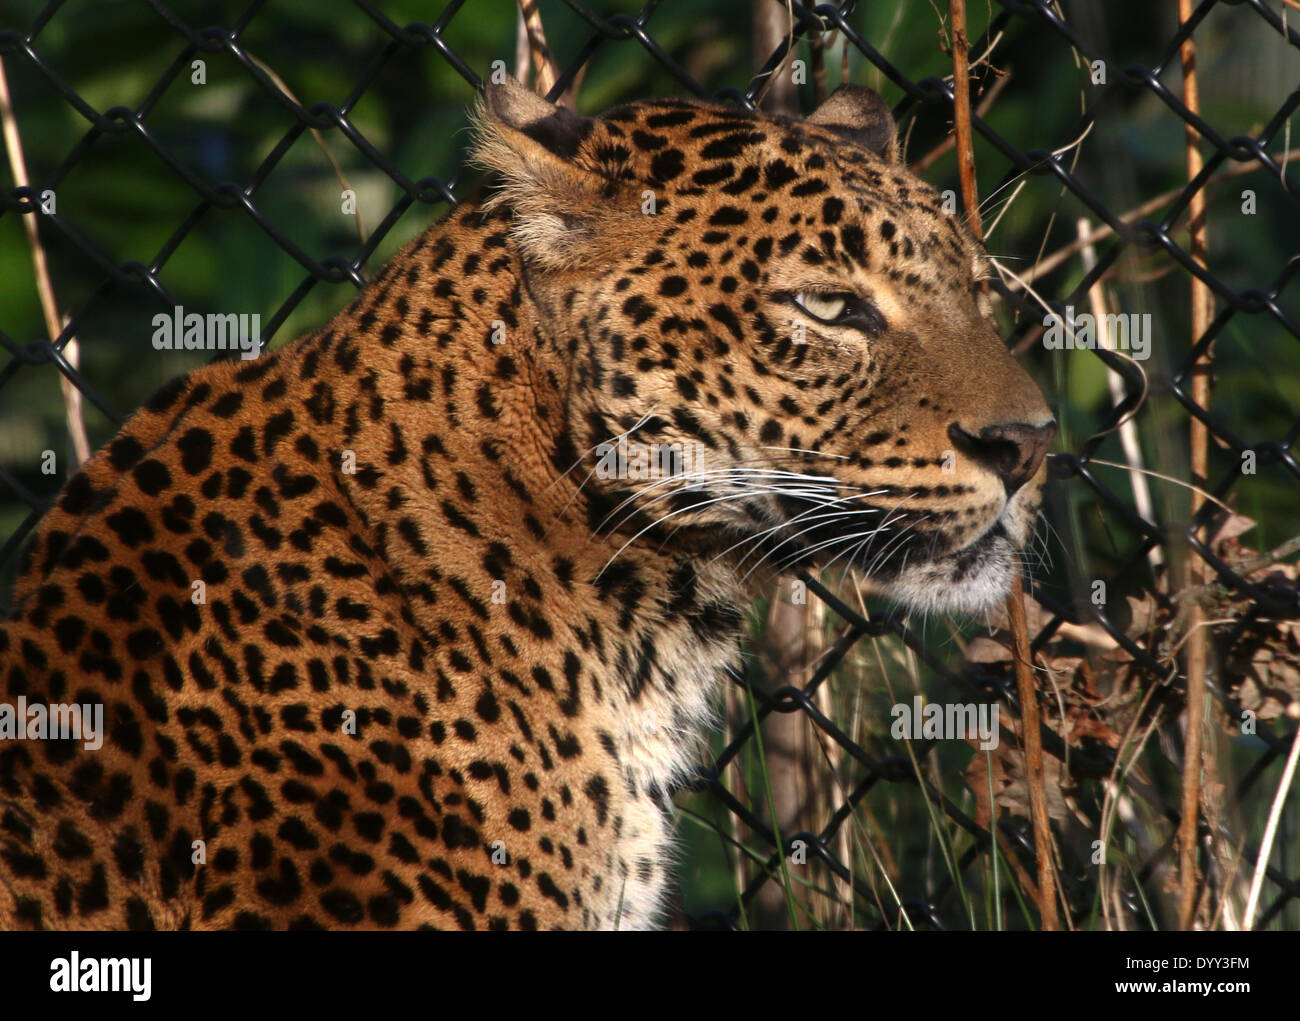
790,308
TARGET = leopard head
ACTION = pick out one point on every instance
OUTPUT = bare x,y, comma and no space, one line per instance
777,341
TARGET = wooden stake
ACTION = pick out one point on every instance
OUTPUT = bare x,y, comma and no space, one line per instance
1032,740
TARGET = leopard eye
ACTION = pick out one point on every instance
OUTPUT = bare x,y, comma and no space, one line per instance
825,307
842,309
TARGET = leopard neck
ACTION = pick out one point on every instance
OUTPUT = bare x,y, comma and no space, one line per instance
497,485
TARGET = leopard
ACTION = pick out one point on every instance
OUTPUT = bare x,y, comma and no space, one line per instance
398,625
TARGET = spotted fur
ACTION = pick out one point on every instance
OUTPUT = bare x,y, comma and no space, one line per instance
529,649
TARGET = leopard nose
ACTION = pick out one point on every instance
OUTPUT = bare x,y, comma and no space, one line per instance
1012,451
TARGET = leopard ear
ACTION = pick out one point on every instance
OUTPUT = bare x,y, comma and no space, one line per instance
532,146
861,116
557,130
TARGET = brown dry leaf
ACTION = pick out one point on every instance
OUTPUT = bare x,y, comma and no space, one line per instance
1010,787
1143,614
1098,694
1229,526
1095,697
987,650
1086,725
1085,682
1261,666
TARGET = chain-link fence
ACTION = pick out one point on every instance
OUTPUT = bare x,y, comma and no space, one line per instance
1257,603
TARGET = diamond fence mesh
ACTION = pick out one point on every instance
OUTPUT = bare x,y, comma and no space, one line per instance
1142,640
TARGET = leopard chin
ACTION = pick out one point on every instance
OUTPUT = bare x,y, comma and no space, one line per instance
970,582
973,580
